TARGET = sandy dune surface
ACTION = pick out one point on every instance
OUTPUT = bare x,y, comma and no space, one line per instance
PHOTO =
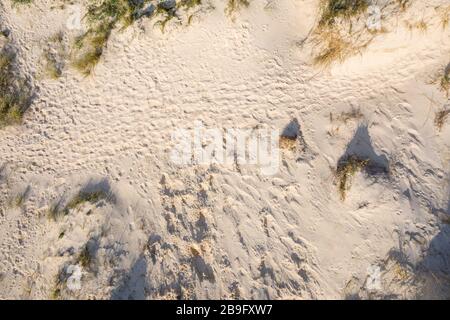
155,229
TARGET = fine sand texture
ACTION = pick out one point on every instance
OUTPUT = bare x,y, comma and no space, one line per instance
92,206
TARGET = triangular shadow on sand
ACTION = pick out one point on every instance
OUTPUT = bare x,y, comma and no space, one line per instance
361,147
134,283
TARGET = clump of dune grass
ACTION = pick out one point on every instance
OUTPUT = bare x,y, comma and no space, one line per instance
345,171
9,110
346,116
444,13
334,37
15,95
441,117
336,48
403,4
61,277
52,68
420,25
84,197
235,5
57,211
19,199
188,4
341,30
442,79
102,17
166,15
85,258
54,212
22,1
331,10
445,80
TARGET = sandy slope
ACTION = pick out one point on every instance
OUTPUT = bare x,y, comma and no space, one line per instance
222,231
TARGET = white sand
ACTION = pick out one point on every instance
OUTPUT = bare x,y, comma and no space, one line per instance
270,237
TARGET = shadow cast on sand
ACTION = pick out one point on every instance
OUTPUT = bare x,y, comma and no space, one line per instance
436,266
361,147
102,185
133,284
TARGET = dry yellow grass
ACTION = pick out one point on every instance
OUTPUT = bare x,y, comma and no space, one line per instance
440,118
333,38
288,143
444,13
235,5
345,171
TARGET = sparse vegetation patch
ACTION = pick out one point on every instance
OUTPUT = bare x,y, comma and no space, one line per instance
345,171
343,28
15,95
235,5
441,117
102,17
55,212
331,10
445,80
83,197
22,1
